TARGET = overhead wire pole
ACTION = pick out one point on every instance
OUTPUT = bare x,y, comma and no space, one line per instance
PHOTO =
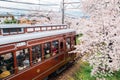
63,13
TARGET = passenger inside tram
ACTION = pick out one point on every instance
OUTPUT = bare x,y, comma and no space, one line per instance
55,47
36,54
68,43
23,59
4,72
47,53
26,62
38,59
20,59
54,50
47,50
6,65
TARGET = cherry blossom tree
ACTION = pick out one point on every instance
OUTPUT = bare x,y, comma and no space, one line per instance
101,36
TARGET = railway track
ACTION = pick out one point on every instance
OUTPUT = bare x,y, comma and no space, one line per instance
69,72
61,75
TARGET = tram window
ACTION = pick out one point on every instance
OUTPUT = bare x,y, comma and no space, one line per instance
6,65
5,30
55,47
12,30
68,42
23,58
36,54
47,50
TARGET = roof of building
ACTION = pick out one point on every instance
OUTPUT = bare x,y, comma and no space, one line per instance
6,15
28,25
30,36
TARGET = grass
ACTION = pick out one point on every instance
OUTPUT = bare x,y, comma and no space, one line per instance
116,76
84,71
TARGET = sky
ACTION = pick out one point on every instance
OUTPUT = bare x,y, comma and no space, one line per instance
56,7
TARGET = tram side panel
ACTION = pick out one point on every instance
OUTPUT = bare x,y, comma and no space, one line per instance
43,68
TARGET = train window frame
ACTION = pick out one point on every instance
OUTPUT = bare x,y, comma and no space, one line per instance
7,62
35,53
47,50
24,62
55,47
8,30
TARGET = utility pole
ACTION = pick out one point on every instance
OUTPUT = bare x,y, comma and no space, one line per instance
63,12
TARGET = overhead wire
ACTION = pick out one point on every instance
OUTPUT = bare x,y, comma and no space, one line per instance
29,3
11,8
22,9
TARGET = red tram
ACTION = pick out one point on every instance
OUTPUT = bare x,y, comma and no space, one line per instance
32,52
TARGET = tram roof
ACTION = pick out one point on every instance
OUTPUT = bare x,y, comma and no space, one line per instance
29,36
28,25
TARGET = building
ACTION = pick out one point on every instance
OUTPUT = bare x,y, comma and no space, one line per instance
6,16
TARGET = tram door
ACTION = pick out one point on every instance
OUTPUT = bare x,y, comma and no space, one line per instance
68,44
62,47
73,42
